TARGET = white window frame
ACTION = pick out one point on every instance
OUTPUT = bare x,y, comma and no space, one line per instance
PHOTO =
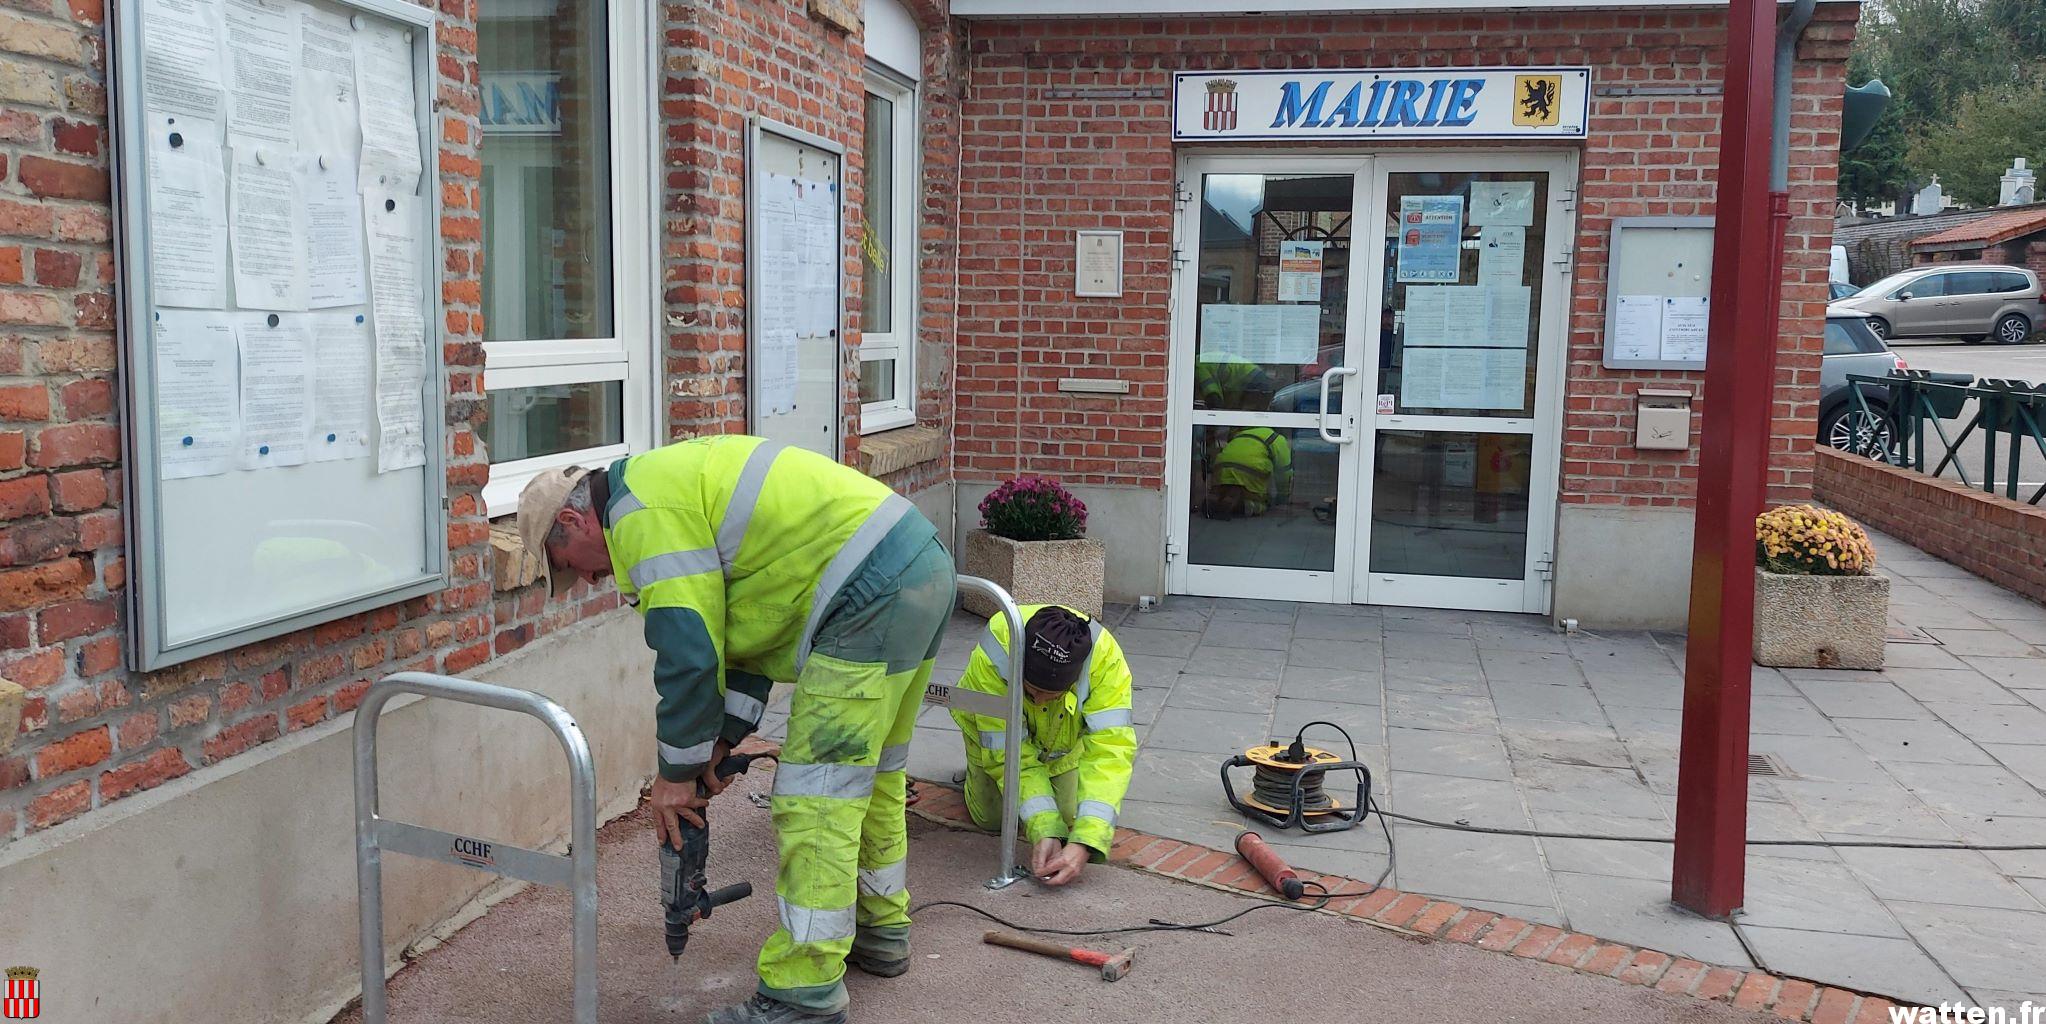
628,354
900,343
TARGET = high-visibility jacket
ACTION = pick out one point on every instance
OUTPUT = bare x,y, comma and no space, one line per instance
1259,460
1224,382
732,548
1088,729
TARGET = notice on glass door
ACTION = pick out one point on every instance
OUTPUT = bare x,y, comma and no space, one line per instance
1273,335
1463,378
1430,239
1300,271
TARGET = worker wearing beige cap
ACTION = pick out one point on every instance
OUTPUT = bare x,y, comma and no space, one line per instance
752,562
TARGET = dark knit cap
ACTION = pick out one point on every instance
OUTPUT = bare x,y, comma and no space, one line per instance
1058,644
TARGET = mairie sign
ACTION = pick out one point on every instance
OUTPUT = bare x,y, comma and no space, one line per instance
1429,103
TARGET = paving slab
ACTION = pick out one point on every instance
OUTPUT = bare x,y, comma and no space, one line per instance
1461,866
1264,636
1468,755
1458,712
1869,698
1638,911
1337,686
2016,673
1922,742
1985,948
1957,879
1814,896
1222,693
1565,703
1961,686
1995,723
1231,661
1871,963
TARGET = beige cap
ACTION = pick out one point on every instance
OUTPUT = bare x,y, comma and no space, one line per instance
539,503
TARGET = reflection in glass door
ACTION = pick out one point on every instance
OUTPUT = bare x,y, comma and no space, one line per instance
1458,396
1263,460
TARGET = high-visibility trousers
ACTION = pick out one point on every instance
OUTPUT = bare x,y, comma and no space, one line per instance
838,805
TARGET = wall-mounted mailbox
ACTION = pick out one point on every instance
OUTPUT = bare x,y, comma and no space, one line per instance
1662,419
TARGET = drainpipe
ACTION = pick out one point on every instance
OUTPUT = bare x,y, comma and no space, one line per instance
1787,36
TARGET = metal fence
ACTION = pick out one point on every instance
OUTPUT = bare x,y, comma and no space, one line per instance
1894,414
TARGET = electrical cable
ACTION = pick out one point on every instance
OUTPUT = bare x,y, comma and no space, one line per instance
1838,844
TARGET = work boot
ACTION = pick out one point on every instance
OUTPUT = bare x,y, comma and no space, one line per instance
876,966
763,1010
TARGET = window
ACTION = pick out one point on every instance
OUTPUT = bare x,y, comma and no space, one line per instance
567,207
1974,282
1848,336
1931,286
888,307
2009,282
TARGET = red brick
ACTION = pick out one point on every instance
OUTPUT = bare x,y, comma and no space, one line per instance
146,772
1718,983
97,656
1874,1010
87,399
1607,960
14,773
78,138
1401,910
188,711
1149,856
1645,968
1835,1007
38,540
1681,976
63,179
1572,949
59,805
1206,866
24,496
306,713
10,262
24,402
1365,908
1180,858
1433,917
77,705
138,730
1794,999
71,753
274,684
57,268
240,737
1505,933
76,444
1470,926
1755,991
1538,942
13,450
349,697
74,618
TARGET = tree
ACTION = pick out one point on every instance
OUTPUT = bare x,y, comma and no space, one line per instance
1993,126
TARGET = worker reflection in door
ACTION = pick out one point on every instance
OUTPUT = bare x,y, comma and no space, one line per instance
1253,472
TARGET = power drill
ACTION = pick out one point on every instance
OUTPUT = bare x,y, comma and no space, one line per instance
685,895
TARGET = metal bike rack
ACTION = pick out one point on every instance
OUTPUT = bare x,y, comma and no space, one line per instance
1007,871
576,871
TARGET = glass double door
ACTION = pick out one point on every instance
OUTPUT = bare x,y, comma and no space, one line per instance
1363,409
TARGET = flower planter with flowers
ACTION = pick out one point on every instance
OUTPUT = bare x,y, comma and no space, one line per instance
1819,603
1032,541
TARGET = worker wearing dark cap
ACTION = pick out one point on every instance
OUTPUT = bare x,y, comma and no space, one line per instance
1078,744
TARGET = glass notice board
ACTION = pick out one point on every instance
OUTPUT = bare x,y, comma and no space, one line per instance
278,238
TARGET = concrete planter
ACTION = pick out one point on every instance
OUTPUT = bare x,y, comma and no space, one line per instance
1067,572
1820,621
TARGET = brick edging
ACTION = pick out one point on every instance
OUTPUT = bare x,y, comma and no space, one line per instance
1430,919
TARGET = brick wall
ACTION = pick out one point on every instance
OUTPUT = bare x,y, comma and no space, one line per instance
732,59
92,732
1067,126
2028,251
1993,537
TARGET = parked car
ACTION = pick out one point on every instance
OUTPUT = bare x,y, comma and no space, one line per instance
1839,290
1970,301
1853,346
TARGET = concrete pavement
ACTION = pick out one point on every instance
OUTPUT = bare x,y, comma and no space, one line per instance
1501,720
512,965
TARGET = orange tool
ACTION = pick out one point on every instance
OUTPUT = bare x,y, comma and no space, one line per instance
1252,847
1113,965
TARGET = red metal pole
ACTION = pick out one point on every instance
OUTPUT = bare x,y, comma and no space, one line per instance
1712,781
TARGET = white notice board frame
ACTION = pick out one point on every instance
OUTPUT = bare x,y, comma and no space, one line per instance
1666,256
343,507
818,420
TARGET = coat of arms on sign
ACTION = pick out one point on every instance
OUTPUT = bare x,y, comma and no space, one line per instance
1220,114
1537,100
24,999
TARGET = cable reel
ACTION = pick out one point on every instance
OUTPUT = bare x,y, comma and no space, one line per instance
1286,786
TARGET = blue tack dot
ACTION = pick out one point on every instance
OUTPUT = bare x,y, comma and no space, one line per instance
330,439
358,318
264,450
159,316
188,440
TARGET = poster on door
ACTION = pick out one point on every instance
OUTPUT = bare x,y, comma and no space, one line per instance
1300,271
1430,239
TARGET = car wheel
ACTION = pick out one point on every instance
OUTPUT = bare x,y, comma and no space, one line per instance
2013,329
1865,433
1880,326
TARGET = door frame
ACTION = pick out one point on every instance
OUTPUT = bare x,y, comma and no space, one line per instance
1348,582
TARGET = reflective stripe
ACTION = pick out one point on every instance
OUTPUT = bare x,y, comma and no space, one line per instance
994,739
886,880
685,756
1113,718
809,924
997,655
855,551
839,781
673,565
1087,671
625,505
744,706
1051,756
745,495
894,759
1035,806
1095,809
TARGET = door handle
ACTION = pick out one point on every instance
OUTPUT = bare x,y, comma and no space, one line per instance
1321,420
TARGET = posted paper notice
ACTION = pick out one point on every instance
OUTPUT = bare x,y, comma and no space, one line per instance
262,40
782,297
1272,335
1502,256
398,320
388,106
277,389
187,229
1683,329
181,61
1637,328
1300,271
334,255
196,408
1430,239
343,358
267,231
1463,378
1502,203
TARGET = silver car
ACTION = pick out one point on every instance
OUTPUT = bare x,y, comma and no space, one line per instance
1852,346
1971,301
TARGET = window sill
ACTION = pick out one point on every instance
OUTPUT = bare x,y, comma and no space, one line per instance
895,450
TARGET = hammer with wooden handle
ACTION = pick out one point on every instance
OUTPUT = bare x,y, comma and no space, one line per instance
1113,965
